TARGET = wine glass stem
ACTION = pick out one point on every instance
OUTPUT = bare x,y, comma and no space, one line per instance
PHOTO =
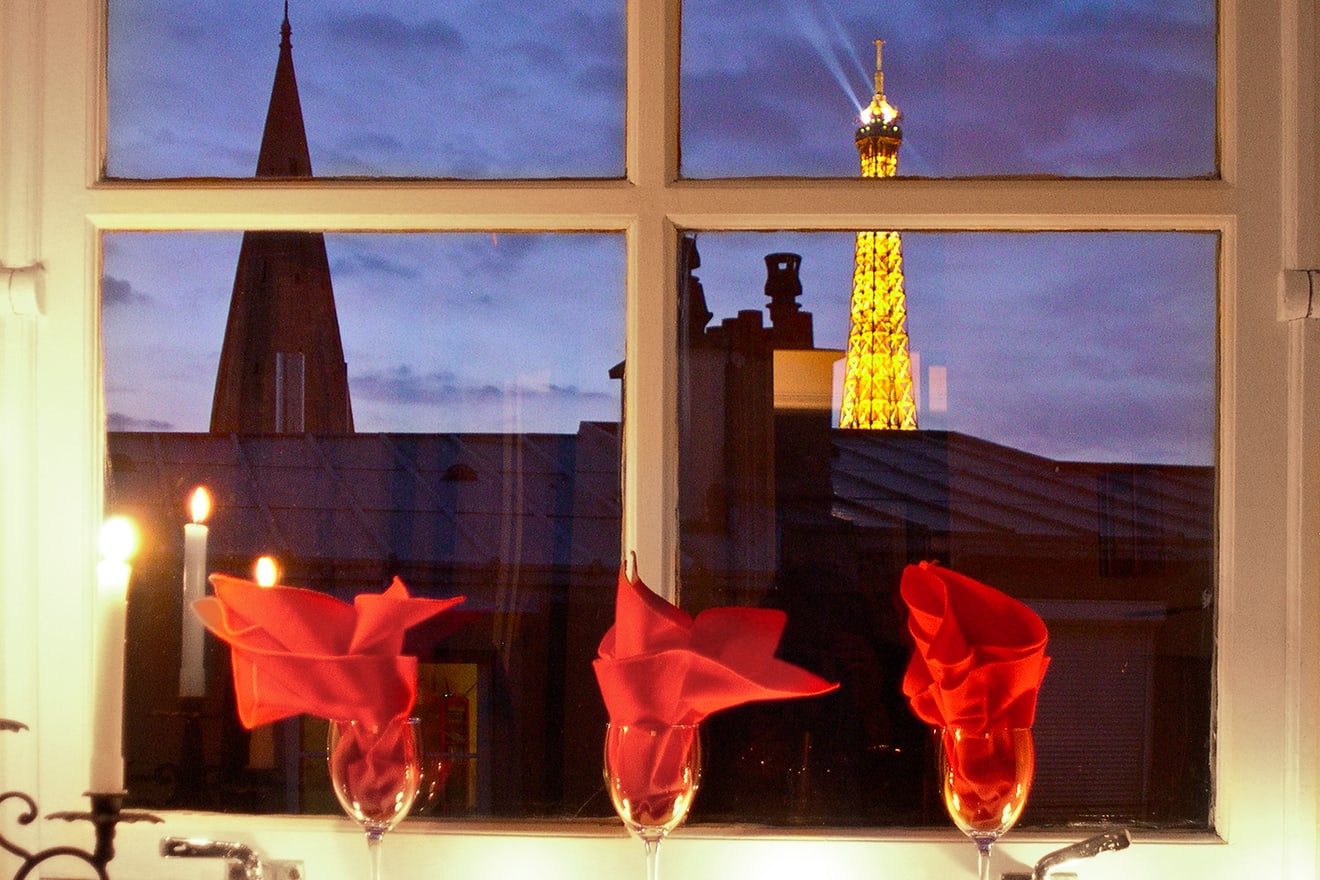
652,858
982,861
373,852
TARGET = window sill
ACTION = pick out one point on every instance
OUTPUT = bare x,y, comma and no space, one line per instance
332,849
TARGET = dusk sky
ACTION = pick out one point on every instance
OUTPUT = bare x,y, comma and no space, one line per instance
1081,346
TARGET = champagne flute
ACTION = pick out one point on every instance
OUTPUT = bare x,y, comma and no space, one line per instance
376,772
652,772
985,776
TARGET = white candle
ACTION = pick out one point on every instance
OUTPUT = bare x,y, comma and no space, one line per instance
192,669
118,540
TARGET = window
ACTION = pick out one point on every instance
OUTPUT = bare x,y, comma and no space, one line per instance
1115,90
464,437
51,461
1062,389
529,91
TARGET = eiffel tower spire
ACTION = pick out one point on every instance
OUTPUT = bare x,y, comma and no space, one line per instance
282,366
877,382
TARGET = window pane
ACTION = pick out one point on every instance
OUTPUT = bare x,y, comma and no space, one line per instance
1062,387
475,452
462,89
1110,89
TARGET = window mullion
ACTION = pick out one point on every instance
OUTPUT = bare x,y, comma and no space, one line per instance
1035,205
650,424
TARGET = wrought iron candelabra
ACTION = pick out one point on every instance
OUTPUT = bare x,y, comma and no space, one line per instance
105,816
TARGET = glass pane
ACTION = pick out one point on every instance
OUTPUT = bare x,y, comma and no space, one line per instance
1057,443
462,435
1111,89
463,89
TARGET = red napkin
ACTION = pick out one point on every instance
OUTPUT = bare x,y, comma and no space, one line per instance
658,667
297,651
978,665
980,654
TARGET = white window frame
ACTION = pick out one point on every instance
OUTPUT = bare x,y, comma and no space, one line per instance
52,442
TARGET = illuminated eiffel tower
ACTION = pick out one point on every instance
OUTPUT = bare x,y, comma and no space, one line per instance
877,382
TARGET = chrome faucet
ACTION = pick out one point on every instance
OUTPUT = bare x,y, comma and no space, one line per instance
1110,841
241,861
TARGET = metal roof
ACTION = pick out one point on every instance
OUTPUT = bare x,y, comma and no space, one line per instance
553,499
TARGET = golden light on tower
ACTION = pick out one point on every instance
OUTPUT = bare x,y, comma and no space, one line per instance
877,381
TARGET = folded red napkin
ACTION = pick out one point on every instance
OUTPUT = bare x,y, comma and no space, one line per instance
660,666
980,654
978,665
297,651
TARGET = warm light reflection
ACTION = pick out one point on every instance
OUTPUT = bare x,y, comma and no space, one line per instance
200,505
267,572
119,539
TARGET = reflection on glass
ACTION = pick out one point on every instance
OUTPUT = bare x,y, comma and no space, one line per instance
460,89
652,774
1056,88
985,778
376,774
1064,390
482,459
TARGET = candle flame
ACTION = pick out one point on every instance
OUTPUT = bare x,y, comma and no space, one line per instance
267,572
119,539
200,505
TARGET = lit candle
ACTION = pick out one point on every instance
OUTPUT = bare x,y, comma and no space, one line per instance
261,745
192,670
118,541
267,572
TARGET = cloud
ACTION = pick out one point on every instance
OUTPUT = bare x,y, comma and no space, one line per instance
402,385
117,421
496,256
1095,421
380,31
372,262
119,292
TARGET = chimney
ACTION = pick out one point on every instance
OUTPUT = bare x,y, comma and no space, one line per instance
790,327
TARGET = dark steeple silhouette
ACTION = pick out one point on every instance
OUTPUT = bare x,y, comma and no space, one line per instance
282,366
284,142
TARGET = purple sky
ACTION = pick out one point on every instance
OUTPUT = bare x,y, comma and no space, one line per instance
1073,345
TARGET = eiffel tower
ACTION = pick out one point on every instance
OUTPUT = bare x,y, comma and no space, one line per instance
877,383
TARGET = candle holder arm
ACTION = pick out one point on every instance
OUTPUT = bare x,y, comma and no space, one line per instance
105,816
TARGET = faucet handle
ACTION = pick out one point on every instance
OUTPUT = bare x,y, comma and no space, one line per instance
240,860
1110,841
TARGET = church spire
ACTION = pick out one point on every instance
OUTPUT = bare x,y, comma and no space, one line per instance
282,366
284,142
